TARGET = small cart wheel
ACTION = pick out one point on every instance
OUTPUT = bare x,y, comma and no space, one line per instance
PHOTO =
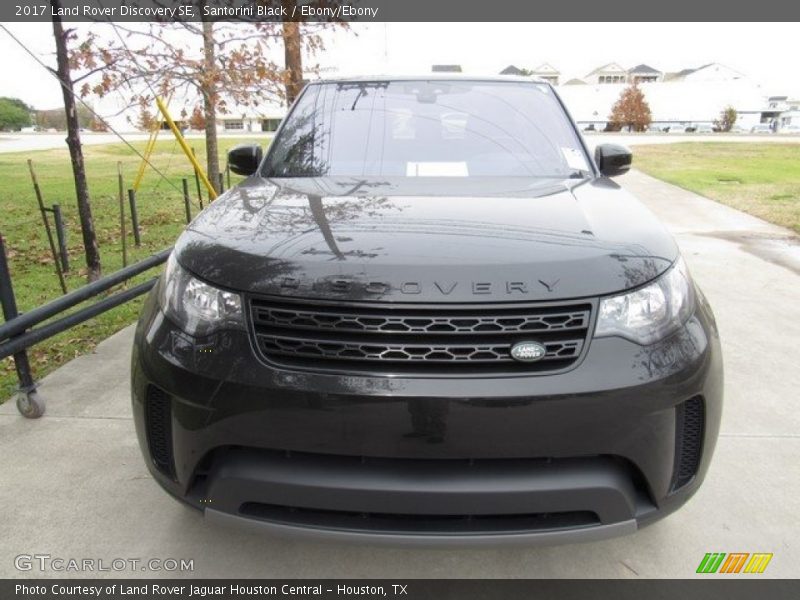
30,405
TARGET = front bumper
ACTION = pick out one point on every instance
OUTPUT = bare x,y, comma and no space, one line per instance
588,454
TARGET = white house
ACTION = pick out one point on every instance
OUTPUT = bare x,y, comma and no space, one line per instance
791,116
610,73
711,72
547,72
644,74
672,104
677,100
249,121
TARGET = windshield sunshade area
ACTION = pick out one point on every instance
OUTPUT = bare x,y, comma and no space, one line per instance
427,129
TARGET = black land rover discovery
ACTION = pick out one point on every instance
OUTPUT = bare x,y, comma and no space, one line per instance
428,315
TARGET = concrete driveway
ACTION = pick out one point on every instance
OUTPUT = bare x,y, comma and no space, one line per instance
73,484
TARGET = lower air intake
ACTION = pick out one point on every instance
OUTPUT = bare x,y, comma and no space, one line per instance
158,419
689,428
416,523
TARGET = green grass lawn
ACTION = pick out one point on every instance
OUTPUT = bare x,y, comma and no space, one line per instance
760,179
161,217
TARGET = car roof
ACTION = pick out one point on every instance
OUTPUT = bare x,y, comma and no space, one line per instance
432,77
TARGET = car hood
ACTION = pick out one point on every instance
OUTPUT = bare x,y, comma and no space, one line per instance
427,240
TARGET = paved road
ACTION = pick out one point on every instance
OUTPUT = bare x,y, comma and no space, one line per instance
24,142
19,142
636,139
73,484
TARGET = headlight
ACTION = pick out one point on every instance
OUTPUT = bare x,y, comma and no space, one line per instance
195,306
650,313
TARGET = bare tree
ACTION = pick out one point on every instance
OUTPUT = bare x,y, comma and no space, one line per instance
292,44
208,89
293,54
210,66
91,248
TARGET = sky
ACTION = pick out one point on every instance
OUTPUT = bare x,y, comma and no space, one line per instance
766,52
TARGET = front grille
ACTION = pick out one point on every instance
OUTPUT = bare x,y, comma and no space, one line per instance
689,429
158,420
443,339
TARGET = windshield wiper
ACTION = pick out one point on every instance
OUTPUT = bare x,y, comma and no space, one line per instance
362,87
361,92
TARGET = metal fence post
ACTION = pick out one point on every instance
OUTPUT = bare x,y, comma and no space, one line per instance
134,218
123,234
197,182
221,182
61,236
29,403
186,200
38,191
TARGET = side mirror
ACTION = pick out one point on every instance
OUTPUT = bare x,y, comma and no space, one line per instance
612,159
245,158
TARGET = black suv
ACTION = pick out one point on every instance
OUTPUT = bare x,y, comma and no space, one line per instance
428,315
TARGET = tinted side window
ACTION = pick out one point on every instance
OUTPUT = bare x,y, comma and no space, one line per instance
293,152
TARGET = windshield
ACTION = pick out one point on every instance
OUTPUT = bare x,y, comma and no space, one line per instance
427,129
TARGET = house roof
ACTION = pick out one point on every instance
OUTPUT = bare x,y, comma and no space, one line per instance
713,67
546,69
678,75
643,68
511,70
608,68
575,82
446,68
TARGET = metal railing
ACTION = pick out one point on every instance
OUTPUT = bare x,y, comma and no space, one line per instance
20,331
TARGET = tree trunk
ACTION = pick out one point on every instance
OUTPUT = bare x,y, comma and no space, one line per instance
209,91
293,56
90,246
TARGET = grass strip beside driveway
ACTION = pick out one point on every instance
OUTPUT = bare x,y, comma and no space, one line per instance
161,217
760,179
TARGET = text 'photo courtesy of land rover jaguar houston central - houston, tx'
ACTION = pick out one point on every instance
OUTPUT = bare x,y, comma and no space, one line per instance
428,315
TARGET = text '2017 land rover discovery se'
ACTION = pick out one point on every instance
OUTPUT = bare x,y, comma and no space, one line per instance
428,315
